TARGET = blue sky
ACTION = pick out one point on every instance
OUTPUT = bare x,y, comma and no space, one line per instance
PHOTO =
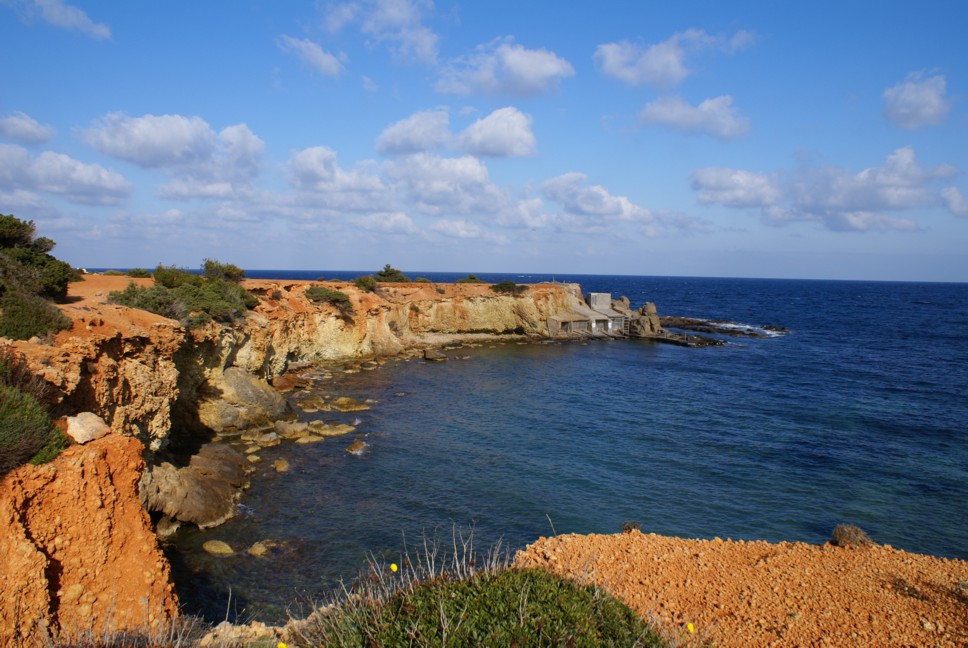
754,139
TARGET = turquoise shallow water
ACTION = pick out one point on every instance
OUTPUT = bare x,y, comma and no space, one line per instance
857,415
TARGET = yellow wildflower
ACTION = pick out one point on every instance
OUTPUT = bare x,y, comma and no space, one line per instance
393,567
690,628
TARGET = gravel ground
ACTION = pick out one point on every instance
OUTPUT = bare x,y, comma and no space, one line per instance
762,594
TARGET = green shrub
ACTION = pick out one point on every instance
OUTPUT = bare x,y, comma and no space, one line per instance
339,299
49,276
212,269
512,607
218,299
137,273
508,287
25,428
172,277
15,233
422,280
366,283
197,320
117,273
155,299
469,279
25,316
15,373
389,274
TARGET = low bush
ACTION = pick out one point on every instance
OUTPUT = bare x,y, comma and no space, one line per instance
25,316
337,298
389,274
25,428
137,273
422,280
366,283
469,279
212,269
192,299
15,373
508,288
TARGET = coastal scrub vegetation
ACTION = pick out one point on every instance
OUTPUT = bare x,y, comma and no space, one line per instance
365,283
508,288
29,279
469,279
192,299
26,431
432,601
337,298
389,274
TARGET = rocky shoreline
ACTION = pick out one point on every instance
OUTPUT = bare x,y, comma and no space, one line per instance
164,393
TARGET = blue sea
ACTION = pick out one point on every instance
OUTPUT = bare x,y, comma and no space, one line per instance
859,414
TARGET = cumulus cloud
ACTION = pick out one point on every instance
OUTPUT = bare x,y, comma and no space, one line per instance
917,101
715,117
463,229
312,54
506,132
240,152
66,16
388,223
440,185
59,174
735,187
503,67
152,140
422,131
840,200
315,171
662,64
955,201
397,24
588,207
24,128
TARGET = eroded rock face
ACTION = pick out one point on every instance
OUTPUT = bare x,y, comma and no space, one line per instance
645,322
243,401
76,546
204,493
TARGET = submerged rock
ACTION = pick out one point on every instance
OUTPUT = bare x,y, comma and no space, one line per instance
280,465
218,548
347,404
434,355
357,447
332,429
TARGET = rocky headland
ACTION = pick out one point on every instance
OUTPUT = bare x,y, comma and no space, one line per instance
79,547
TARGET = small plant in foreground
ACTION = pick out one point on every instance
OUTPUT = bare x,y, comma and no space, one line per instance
434,601
508,288
847,535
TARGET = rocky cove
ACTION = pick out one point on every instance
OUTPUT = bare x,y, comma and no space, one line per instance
78,525
70,530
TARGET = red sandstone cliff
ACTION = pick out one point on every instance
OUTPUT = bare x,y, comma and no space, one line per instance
76,547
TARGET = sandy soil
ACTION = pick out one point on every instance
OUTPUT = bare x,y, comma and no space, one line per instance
763,594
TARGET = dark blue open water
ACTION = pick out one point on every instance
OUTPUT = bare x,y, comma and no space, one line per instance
858,415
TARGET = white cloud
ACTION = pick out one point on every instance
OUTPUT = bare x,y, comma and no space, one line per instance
24,128
152,140
463,229
315,172
240,152
422,131
389,223
503,67
439,185
66,16
59,174
398,24
917,101
506,132
312,54
580,199
735,187
954,201
840,200
715,116
662,64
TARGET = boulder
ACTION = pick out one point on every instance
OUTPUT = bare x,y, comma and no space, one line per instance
280,465
243,401
85,427
356,447
347,404
645,322
203,493
434,355
218,548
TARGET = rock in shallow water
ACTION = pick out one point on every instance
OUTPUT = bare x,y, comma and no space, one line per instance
356,447
218,548
347,404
